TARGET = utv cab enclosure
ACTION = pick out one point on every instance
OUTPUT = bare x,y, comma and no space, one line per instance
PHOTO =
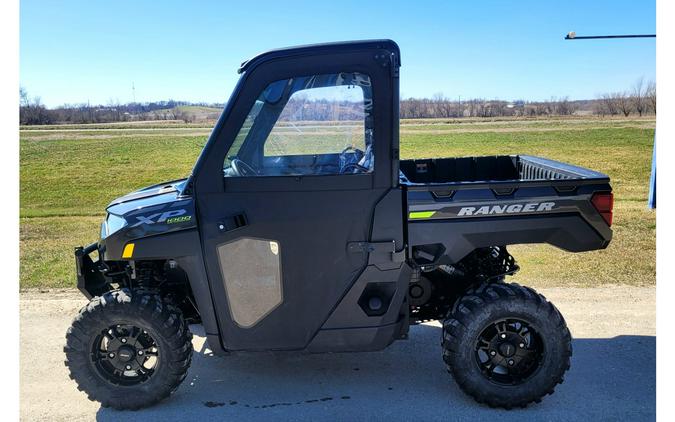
300,229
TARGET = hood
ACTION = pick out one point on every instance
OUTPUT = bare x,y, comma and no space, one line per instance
166,190
157,209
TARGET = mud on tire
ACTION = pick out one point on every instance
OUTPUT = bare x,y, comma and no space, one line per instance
506,345
158,330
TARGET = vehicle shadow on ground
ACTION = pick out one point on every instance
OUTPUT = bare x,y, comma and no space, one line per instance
610,378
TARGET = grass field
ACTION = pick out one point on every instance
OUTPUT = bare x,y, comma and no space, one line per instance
69,174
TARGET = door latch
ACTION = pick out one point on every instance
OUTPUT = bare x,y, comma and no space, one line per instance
381,254
232,222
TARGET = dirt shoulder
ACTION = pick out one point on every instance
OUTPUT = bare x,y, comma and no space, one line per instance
612,326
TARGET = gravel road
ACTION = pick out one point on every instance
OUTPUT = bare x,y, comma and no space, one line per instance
613,372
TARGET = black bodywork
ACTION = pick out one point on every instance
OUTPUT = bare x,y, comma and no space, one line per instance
362,256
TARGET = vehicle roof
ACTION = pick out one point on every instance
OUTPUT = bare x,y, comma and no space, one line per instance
318,48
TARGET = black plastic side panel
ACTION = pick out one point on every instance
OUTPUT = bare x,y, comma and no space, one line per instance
388,219
365,339
185,248
169,245
478,216
461,236
194,268
350,313
353,325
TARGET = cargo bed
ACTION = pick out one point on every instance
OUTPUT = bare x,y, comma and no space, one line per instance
500,168
460,204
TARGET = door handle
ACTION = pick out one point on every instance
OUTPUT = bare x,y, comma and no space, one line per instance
232,222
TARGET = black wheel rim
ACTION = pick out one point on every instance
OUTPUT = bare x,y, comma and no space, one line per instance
509,351
125,355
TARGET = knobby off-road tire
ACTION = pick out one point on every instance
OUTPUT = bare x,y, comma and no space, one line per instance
516,332
135,325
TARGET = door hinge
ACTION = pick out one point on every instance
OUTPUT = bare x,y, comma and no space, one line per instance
395,154
388,59
394,64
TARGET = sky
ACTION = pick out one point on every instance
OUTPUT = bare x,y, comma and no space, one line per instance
78,51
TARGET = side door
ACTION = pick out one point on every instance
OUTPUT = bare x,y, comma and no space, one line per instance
289,177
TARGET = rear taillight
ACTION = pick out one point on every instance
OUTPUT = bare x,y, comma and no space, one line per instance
604,203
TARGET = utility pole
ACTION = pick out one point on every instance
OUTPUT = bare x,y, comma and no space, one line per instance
133,91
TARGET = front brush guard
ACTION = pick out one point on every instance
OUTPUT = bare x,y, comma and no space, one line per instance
90,280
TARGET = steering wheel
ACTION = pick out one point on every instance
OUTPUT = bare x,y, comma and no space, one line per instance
345,166
242,168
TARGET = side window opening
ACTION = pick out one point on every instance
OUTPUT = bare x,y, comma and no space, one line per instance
309,125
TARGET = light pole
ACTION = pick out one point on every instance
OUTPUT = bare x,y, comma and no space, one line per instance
573,36
651,201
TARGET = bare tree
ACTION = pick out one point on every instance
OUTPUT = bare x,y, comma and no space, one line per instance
483,108
23,97
564,107
112,111
609,103
638,98
599,109
541,108
650,93
459,110
472,107
623,103
31,110
189,117
442,106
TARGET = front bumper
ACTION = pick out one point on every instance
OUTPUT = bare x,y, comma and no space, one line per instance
90,281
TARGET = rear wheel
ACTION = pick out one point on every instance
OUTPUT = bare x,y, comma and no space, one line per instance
128,350
506,345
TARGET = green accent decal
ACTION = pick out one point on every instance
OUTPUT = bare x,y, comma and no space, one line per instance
421,214
181,219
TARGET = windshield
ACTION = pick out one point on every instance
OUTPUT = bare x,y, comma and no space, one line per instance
243,133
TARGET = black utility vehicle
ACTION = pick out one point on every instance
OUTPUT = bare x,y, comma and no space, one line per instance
300,229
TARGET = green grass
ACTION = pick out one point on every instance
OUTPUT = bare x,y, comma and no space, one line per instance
68,177
81,176
145,124
46,249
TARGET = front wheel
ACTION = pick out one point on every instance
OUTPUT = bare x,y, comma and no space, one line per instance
506,345
128,350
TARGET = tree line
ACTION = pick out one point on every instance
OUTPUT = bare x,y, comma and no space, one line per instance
33,112
639,99
441,107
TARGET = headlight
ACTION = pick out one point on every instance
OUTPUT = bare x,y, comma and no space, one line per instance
112,224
